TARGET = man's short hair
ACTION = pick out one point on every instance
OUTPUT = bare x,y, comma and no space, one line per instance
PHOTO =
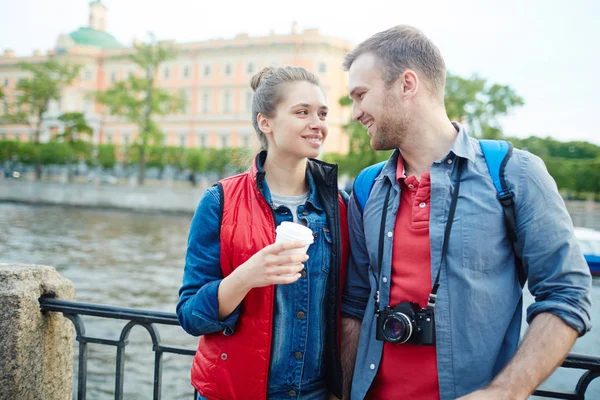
400,48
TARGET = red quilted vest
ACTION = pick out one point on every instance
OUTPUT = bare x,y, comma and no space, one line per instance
236,367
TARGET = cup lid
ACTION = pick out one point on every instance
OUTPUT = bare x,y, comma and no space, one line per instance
295,231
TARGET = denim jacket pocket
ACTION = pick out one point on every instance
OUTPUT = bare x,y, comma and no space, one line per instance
482,235
326,250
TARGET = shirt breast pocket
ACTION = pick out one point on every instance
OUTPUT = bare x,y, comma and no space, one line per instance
484,238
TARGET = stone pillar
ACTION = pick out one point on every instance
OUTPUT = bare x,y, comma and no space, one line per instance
36,349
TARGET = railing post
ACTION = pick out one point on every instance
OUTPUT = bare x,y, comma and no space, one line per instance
36,348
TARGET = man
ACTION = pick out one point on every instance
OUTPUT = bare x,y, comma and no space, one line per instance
396,82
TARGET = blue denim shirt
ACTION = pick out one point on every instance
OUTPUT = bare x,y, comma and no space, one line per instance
297,361
479,304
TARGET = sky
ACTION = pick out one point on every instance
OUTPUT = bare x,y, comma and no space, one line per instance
544,49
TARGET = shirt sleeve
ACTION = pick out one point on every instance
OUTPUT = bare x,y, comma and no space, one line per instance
557,273
198,306
357,288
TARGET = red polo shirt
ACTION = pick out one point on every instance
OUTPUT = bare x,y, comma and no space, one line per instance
409,371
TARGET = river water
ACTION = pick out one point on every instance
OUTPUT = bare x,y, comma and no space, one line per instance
136,260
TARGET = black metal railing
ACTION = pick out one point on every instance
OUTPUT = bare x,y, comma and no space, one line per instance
148,319
73,310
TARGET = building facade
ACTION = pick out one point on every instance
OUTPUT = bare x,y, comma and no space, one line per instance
213,76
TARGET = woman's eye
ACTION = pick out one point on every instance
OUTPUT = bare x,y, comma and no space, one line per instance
323,114
302,112
362,95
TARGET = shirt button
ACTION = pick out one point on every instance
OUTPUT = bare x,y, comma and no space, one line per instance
300,314
422,205
390,234
303,273
298,355
384,279
305,212
411,186
449,161
292,393
316,235
224,356
372,366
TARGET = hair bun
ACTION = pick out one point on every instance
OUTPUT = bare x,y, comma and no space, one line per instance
259,76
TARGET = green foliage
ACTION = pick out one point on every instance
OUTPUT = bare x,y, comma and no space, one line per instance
55,153
479,104
196,160
9,150
107,156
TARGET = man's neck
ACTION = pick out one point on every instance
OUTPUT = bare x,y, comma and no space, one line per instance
285,176
426,144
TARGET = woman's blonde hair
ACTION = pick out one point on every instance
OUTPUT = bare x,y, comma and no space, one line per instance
268,92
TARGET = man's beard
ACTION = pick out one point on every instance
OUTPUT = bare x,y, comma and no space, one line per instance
393,127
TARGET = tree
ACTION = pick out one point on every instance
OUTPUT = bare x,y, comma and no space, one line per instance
34,93
473,101
138,100
74,125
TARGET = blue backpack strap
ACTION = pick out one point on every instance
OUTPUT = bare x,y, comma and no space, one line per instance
496,154
364,183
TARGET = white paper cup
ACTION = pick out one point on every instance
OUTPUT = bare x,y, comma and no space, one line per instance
290,231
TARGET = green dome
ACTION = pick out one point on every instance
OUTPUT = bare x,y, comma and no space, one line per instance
92,37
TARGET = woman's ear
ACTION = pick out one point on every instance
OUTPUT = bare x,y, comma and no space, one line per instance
264,124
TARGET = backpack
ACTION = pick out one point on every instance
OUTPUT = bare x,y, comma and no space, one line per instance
496,154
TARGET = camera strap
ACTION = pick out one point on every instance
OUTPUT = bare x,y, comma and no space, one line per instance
433,294
436,285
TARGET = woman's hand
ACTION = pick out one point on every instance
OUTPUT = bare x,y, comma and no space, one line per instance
270,267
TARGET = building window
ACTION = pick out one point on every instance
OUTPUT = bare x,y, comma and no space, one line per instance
206,103
126,139
250,68
166,73
186,72
109,138
87,76
227,69
322,67
224,140
87,106
246,141
202,140
206,70
6,81
182,140
113,77
248,101
131,74
5,106
227,102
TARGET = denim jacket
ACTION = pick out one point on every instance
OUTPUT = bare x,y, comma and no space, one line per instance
479,305
297,356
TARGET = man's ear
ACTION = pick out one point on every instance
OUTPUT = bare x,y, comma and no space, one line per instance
264,124
409,81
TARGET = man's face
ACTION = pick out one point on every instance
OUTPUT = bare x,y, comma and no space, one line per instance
377,107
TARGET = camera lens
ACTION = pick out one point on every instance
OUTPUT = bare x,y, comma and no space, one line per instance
397,328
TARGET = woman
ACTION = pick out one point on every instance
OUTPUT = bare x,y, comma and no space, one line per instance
269,322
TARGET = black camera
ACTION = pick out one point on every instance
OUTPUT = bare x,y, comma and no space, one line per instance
406,323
